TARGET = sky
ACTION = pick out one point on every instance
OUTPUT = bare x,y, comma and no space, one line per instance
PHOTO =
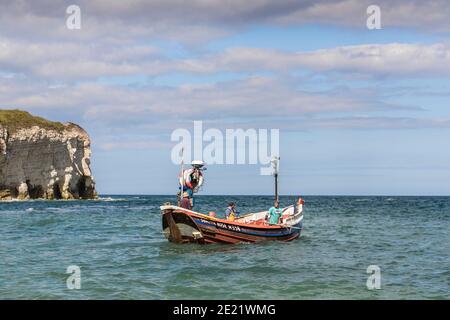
360,111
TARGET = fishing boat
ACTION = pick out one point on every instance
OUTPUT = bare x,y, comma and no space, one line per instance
182,225
186,226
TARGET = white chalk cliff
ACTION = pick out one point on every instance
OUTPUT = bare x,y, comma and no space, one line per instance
40,159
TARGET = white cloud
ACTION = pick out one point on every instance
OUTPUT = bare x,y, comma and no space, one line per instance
396,59
389,59
252,96
72,61
153,108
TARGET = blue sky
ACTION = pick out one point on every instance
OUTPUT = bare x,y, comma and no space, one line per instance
359,111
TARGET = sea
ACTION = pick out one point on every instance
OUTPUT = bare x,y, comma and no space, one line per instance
113,248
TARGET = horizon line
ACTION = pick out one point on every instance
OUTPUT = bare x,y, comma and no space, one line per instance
285,195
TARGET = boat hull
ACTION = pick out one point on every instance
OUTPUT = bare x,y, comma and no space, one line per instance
186,226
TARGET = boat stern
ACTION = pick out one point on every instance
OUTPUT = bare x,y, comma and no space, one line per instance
178,227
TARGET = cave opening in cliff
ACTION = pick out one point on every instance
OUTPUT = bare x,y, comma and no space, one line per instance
57,192
82,190
34,191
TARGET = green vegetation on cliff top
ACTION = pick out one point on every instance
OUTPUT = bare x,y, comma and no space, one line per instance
18,119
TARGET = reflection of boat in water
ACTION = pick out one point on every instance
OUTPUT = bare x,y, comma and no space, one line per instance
183,226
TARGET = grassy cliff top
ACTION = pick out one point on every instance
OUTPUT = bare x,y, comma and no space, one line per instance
18,119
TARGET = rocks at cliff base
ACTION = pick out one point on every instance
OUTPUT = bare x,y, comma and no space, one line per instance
40,159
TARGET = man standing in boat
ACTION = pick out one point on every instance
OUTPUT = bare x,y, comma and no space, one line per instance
275,213
231,212
190,181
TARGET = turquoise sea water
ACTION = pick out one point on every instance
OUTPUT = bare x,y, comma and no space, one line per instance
118,243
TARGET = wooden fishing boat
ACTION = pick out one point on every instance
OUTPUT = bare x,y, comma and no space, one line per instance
186,226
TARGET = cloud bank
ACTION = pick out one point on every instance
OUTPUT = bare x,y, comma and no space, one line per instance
108,71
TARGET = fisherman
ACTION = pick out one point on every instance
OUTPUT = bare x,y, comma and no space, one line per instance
191,180
185,202
275,213
186,193
231,213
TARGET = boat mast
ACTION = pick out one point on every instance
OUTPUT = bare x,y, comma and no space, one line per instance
275,166
182,177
